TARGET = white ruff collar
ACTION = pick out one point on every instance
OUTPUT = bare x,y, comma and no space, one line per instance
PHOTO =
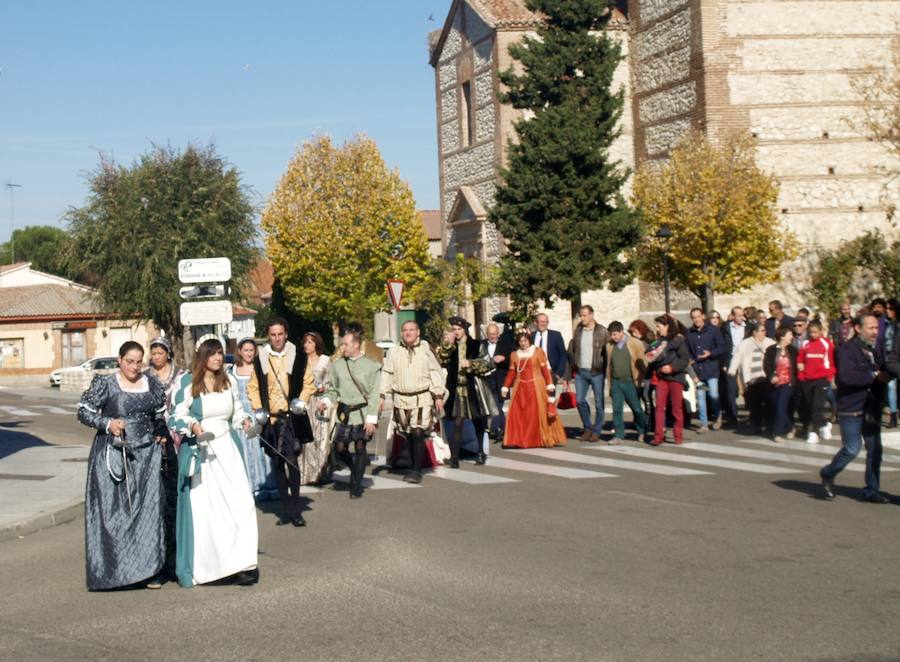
274,353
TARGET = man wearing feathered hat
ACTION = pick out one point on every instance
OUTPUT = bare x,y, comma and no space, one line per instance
468,398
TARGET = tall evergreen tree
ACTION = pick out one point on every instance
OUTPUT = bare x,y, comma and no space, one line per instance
560,205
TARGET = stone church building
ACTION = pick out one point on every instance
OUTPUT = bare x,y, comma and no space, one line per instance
781,70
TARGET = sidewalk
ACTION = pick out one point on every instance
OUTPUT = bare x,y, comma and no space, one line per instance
41,485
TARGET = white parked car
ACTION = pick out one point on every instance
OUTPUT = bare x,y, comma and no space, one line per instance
99,365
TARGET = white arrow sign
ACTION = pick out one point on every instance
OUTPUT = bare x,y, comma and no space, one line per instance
202,313
205,270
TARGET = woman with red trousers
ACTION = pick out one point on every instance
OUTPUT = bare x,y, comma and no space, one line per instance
668,362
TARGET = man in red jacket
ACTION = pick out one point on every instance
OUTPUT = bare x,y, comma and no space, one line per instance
815,372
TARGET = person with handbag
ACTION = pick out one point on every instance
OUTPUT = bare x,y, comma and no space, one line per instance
412,377
532,421
353,385
668,363
281,386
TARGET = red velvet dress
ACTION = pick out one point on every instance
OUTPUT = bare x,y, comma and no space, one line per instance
528,423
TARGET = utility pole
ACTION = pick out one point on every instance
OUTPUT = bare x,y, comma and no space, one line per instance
12,223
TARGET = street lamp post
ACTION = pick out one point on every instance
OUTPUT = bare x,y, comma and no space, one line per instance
12,224
664,234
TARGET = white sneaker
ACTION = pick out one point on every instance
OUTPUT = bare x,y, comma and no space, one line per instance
825,432
813,438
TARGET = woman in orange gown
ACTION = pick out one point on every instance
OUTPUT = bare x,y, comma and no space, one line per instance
530,423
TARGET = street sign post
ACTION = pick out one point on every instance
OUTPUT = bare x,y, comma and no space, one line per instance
202,313
204,270
395,292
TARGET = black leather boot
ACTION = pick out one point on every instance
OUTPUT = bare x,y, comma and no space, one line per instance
357,472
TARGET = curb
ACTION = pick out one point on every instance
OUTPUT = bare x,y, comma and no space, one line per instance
41,521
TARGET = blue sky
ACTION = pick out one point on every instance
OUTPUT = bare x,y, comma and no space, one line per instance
256,78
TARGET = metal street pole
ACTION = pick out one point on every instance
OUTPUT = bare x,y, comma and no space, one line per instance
664,234
666,279
12,222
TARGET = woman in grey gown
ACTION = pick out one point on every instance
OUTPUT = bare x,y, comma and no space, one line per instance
123,510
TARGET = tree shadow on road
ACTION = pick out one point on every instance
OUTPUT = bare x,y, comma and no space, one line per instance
814,490
13,441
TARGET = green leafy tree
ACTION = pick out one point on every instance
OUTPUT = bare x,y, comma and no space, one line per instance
720,208
42,245
559,205
453,284
139,220
339,226
859,268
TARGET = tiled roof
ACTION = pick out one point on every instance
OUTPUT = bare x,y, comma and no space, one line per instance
262,279
508,15
431,221
505,13
242,311
46,301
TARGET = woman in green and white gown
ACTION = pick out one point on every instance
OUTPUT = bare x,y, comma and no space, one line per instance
216,524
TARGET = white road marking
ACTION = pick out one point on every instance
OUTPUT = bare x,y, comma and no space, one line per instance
545,469
568,456
15,411
667,456
819,449
469,477
373,482
52,410
790,458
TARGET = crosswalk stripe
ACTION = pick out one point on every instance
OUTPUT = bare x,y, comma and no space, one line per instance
373,482
52,410
820,449
791,458
469,477
668,456
545,469
15,411
567,456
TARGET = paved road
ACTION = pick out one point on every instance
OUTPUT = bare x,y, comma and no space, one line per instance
715,551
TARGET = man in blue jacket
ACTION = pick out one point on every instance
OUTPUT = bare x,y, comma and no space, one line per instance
860,398
706,345
553,345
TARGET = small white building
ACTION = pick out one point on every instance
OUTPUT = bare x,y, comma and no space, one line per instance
49,322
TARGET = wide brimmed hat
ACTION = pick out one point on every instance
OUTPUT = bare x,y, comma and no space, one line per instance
460,322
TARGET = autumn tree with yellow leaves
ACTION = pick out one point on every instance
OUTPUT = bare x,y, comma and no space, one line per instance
720,208
339,225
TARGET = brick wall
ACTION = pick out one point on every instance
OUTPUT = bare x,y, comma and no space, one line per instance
781,70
